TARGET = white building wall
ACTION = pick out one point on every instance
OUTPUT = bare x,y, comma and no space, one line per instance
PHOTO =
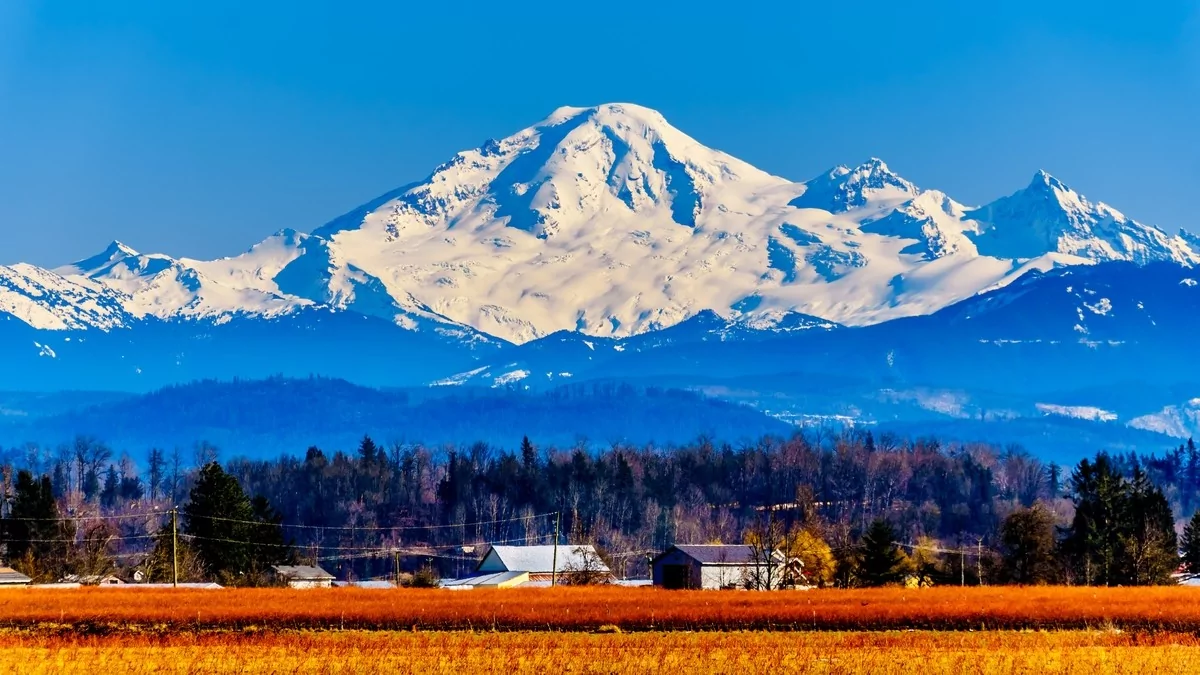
716,577
310,584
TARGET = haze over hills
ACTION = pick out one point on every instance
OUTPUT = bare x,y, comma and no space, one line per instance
604,243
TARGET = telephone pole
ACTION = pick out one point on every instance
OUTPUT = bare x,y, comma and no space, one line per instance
554,560
979,559
174,548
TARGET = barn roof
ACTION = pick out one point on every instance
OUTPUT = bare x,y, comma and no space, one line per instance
541,559
302,572
494,579
719,554
10,576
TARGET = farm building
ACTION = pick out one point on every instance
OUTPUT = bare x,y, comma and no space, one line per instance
717,566
543,562
372,584
303,576
513,566
11,577
92,580
487,580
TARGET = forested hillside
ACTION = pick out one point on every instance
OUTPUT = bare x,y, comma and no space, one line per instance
944,513
265,418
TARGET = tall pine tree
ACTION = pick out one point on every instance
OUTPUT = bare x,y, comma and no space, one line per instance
883,562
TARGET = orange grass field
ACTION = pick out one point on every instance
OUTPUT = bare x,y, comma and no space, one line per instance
99,610
547,653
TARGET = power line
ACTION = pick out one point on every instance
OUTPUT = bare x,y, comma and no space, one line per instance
76,519
403,528
85,540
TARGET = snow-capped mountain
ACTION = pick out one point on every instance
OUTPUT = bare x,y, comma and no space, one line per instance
1048,216
161,287
1179,421
610,222
48,301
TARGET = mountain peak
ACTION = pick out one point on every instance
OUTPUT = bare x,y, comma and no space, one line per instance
115,247
112,254
1043,180
609,111
1047,216
843,188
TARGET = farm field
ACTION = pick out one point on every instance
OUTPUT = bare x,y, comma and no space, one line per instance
928,652
101,611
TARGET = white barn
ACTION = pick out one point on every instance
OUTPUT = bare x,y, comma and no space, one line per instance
531,566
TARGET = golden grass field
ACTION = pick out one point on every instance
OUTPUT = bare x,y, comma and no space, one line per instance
585,609
602,630
546,653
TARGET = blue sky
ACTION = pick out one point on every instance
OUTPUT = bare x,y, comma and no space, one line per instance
197,128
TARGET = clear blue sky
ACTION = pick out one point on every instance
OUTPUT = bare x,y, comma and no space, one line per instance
197,128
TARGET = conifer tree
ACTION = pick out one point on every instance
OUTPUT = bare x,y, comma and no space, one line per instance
1190,544
882,560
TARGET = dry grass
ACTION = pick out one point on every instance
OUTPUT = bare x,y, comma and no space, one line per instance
744,653
108,610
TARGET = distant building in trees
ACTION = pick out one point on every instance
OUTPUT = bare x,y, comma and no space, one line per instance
303,576
717,566
513,566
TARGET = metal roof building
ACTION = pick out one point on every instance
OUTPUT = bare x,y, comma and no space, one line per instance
531,566
11,577
492,580
303,576
716,566
541,560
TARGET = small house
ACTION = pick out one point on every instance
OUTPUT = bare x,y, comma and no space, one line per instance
10,577
303,576
718,566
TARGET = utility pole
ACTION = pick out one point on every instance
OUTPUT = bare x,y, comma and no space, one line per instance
554,560
979,559
174,548
962,564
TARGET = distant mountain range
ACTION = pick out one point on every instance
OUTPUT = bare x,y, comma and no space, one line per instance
603,243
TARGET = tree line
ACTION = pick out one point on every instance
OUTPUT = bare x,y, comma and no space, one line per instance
855,508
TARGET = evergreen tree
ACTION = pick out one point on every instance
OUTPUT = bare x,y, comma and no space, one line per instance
1094,542
33,533
215,517
1191,545
156,465
1027,537
271,547
1151,551
882,560
1191,476
112,488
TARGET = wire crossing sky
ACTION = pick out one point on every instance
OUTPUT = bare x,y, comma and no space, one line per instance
197,128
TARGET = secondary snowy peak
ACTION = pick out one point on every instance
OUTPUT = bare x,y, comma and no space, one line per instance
113,254
48,301
842,189
159,286
1048,216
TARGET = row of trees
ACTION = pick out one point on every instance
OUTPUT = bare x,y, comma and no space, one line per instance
956,514
225,535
